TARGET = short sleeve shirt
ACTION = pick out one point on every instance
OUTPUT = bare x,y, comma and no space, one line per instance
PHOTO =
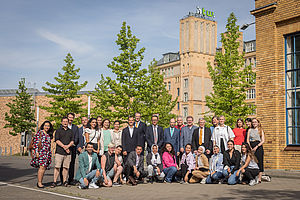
65,136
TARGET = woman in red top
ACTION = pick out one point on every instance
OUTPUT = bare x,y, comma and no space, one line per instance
240,133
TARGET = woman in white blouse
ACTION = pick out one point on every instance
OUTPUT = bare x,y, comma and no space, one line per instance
117,134
222,134
92,134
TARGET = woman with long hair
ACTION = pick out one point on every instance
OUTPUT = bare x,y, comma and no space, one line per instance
248,124
117,134
214,122
169,162
239,132
256,139
187,165
92,134
41,150
106,136
250,168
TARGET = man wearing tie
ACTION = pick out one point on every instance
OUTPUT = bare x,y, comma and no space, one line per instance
172,135
202,137
154,134
141,127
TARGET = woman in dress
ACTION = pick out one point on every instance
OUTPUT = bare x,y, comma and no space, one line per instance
117,134
92,134
106,136
41,150
256,139
239,133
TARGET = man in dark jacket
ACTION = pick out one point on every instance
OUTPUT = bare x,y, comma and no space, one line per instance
141,127
129,138
154,134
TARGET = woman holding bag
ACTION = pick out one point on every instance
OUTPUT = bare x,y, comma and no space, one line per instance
41,150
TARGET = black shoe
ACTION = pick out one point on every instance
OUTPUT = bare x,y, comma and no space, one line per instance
150,180
65,184
54,184
72,182
37,185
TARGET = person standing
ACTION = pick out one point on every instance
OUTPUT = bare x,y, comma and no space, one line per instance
154,134
180,124
222,134
256,139
239,133
129,138
106,136
64,139
81,138
187,133
99,121
202,137
41,151
141,127
248,124
172,135
215,123
117,134
92,134
89,169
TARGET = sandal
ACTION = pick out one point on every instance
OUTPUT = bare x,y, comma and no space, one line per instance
54,184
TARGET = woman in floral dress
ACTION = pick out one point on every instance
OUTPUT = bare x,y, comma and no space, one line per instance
41,150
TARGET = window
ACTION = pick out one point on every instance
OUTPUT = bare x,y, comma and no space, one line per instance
185,112
185,98
251,94
186,82
188,67
253,109
183,69
292,73
254,62
178,91
172,73
178,105
169,85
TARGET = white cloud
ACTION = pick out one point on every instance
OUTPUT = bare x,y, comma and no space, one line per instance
65,43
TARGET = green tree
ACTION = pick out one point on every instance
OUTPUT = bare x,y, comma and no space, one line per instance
21,115
64,94
134,89
230,78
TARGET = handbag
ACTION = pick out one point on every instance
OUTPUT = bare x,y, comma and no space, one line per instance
31,148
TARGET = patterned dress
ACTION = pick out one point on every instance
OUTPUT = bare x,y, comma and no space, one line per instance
45,153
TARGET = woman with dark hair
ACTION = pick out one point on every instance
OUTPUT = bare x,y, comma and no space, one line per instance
41,150
250,168
106,136
169,162
187,165
248,124
117,134
214,122
99,121
231,162
239,133
256,139
92,134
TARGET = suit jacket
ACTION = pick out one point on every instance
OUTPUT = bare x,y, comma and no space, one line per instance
129,143
141,133
174,140
131,161
150,137
83,168
207,139
186,136
81,139
75,131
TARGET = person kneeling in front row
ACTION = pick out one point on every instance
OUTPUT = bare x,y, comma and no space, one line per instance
88,160
215,166
202,167
154,165
134,167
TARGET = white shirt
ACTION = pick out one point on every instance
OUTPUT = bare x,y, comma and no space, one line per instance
70,126
130,130
154,127
90,162
93,135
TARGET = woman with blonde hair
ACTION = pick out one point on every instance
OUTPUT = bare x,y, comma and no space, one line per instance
255,139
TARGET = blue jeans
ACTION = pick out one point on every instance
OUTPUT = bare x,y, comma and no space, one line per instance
216,176
169,173
91,177
233,178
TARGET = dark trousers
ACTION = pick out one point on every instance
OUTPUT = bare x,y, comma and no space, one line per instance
129,172
72,166
250,174
178,158
180,174
259,153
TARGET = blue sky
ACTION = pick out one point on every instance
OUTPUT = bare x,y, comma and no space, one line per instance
36,35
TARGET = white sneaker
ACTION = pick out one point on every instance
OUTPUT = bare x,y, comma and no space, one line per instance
203,181
93,185
79,187
252,182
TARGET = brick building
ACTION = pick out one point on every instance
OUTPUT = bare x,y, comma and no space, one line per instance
278,80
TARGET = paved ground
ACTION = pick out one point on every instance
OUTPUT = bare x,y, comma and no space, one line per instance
18,181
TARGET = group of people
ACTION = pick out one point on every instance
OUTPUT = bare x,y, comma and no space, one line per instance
180,153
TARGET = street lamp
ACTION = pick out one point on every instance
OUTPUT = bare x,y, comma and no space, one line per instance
245,26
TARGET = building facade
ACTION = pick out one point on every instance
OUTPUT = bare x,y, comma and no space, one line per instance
278,80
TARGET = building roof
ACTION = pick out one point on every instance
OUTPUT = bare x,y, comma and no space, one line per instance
32,91
168,57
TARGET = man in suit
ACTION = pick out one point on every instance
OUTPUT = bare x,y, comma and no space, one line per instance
202,137
129,137
75,130
81,139
154,134
187,133
134,167
141,126
172,135
87,175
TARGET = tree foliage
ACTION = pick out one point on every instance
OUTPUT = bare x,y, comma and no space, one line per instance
64,93
134,89
21,115
230,78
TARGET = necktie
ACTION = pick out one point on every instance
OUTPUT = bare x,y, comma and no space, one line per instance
155,136
200,136
136,125
172,131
